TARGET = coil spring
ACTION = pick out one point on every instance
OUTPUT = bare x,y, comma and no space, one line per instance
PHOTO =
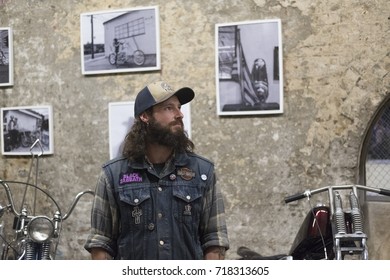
339,214
45,251
30,250
356,214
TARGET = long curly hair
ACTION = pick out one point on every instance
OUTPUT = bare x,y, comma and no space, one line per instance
138,137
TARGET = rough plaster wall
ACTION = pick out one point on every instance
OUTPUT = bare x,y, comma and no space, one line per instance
336,72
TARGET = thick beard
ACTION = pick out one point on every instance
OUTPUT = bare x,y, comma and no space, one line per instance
165,136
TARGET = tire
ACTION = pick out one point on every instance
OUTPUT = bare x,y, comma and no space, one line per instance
111,59
2,58
139,57
24,140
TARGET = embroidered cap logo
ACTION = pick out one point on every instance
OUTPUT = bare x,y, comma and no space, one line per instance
166,87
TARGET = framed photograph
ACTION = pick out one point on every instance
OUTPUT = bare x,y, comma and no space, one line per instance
6,57
249,77
117,41
121,118
22,126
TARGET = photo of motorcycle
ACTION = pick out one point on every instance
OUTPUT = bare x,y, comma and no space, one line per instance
31,219
27,138
125,55
332,231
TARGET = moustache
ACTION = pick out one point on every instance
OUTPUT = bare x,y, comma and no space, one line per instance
179,122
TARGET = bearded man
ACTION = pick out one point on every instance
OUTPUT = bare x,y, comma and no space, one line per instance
160,199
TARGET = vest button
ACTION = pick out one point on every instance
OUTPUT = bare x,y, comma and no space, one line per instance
151,226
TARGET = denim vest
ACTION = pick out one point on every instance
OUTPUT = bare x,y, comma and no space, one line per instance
160,215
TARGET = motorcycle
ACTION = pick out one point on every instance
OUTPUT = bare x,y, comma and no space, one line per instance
328,231
124,56
34,236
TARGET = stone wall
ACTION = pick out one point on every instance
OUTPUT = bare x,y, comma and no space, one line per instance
336,72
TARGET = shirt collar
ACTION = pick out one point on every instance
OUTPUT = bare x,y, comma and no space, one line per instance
178,159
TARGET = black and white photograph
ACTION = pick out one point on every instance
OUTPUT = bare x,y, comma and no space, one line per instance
126,40
249,67
6,57
23,126
121,118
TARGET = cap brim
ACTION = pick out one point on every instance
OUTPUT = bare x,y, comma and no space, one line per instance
184,95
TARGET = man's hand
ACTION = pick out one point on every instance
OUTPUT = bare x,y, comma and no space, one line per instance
100,254
215,253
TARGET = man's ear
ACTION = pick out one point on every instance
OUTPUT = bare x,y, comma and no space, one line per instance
144,117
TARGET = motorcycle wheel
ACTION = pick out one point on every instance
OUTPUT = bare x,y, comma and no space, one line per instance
111,59
139,57
24,141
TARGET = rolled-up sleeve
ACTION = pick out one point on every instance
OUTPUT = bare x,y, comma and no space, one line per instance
213,228
104,218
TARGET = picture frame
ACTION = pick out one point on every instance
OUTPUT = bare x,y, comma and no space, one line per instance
6,57
121,118
249,76
137,45
22,126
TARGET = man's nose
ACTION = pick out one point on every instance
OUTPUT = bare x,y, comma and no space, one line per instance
179,113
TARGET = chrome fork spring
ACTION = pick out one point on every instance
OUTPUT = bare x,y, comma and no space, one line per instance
45,251
356,214
339,214
30,250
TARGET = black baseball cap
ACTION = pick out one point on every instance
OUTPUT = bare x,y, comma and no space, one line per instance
158,92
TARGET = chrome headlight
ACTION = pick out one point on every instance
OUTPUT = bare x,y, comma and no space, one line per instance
40,229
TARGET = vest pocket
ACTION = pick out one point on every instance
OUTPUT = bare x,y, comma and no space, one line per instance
187,204
135,203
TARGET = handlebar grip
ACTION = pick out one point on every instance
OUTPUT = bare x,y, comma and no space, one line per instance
294,197
384,192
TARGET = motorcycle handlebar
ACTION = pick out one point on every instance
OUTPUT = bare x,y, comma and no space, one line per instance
308,193
73,205
384,192
17,213
294,197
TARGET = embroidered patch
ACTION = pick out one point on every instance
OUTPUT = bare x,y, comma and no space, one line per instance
129,178
186,173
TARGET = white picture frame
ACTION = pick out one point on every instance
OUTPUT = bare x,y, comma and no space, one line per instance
6,57
242,89
137,31
121,118
22,126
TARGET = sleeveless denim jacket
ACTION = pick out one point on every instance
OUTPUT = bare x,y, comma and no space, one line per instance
161,215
